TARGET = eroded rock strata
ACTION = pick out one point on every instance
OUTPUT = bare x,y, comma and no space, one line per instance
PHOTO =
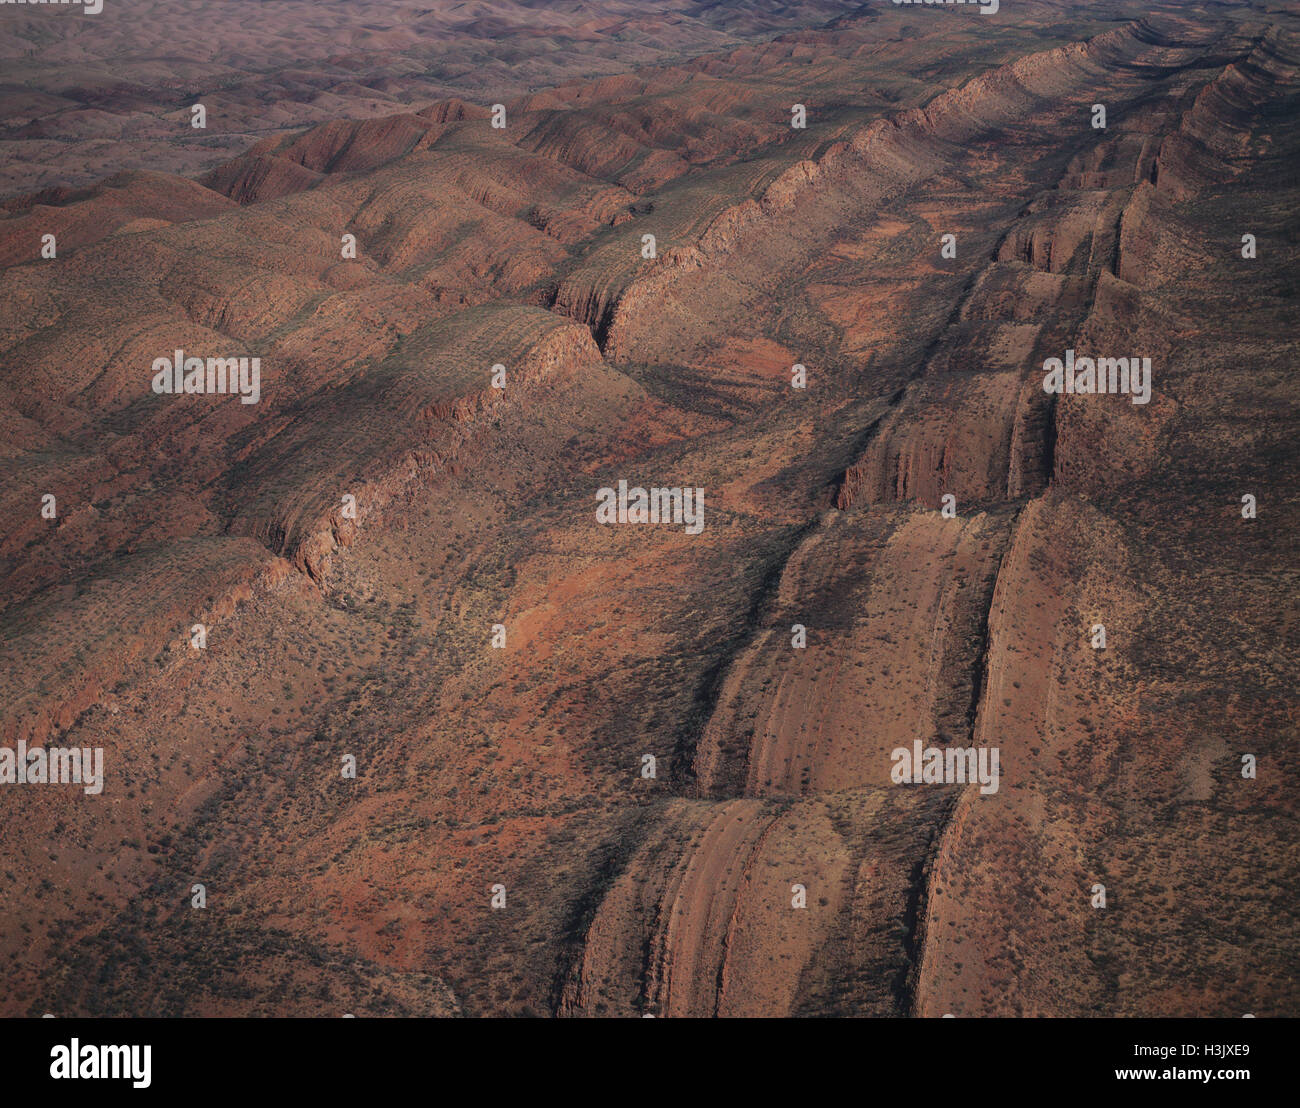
947,535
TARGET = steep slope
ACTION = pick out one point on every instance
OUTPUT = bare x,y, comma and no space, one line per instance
595,773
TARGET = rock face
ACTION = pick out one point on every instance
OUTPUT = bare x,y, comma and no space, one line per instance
435,738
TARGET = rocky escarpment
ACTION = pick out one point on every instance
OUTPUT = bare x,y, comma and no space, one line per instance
889,154
981,628
750,908
427,411
648,769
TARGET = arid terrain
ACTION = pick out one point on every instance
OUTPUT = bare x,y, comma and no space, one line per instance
626,769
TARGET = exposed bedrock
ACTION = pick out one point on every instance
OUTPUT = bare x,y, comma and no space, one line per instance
709,917
894,603
918,547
